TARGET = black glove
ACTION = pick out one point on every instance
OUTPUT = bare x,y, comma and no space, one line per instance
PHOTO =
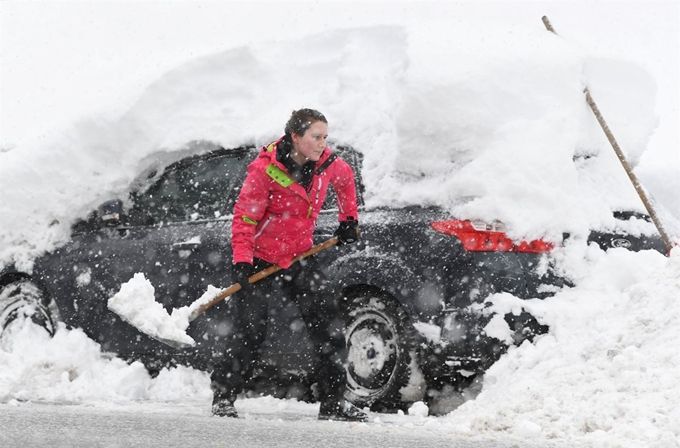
347,232
240,273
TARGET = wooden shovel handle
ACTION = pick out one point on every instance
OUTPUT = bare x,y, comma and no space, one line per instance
259,276
646,200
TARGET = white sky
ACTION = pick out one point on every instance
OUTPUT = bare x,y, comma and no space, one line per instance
57,57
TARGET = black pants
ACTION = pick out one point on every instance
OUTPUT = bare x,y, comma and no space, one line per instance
247,315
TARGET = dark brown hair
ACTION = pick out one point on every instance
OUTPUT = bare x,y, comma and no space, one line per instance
301,120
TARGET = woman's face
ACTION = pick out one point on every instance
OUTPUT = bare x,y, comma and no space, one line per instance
311,144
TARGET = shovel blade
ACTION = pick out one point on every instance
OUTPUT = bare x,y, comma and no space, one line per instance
172,341
136,305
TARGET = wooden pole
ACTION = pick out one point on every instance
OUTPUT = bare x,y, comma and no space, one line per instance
622,158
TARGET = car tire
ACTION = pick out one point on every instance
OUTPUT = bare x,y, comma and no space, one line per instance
21,300
380,341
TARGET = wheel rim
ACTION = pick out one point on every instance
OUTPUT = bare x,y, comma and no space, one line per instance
372,352
22,302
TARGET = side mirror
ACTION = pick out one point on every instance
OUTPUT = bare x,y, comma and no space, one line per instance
111,212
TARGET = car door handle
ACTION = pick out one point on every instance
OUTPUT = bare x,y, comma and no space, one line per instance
188,245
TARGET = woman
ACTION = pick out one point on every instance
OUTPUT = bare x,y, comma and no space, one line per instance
274,220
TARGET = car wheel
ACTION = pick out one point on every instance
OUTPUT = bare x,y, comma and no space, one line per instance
21,300
380,341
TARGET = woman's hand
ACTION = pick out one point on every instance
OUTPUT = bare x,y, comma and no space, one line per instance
240,273
347,232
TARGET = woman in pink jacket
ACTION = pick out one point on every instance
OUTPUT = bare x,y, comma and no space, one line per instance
274,220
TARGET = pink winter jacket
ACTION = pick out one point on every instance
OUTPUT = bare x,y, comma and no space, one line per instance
274,217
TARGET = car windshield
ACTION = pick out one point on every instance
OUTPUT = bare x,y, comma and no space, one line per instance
354,159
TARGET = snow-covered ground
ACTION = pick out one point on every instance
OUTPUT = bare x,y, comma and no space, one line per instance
474,107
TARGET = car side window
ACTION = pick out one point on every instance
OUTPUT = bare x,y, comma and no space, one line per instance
203,187
354,159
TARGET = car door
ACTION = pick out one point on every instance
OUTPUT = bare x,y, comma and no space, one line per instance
185,220
176,232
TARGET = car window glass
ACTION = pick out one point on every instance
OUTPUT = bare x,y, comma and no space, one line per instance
354,159
197,188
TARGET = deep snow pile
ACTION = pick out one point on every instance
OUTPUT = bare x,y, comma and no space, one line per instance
70,367
485,128
488,128
607,372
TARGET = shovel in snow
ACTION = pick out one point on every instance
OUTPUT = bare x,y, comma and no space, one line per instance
135,304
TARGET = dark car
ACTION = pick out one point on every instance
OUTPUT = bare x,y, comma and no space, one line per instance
635,241
411,288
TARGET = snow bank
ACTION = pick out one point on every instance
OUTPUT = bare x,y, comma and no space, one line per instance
71,368
607,372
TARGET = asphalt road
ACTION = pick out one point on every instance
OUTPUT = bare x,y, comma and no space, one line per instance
74,426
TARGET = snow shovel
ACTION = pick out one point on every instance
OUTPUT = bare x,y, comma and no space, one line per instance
135,304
